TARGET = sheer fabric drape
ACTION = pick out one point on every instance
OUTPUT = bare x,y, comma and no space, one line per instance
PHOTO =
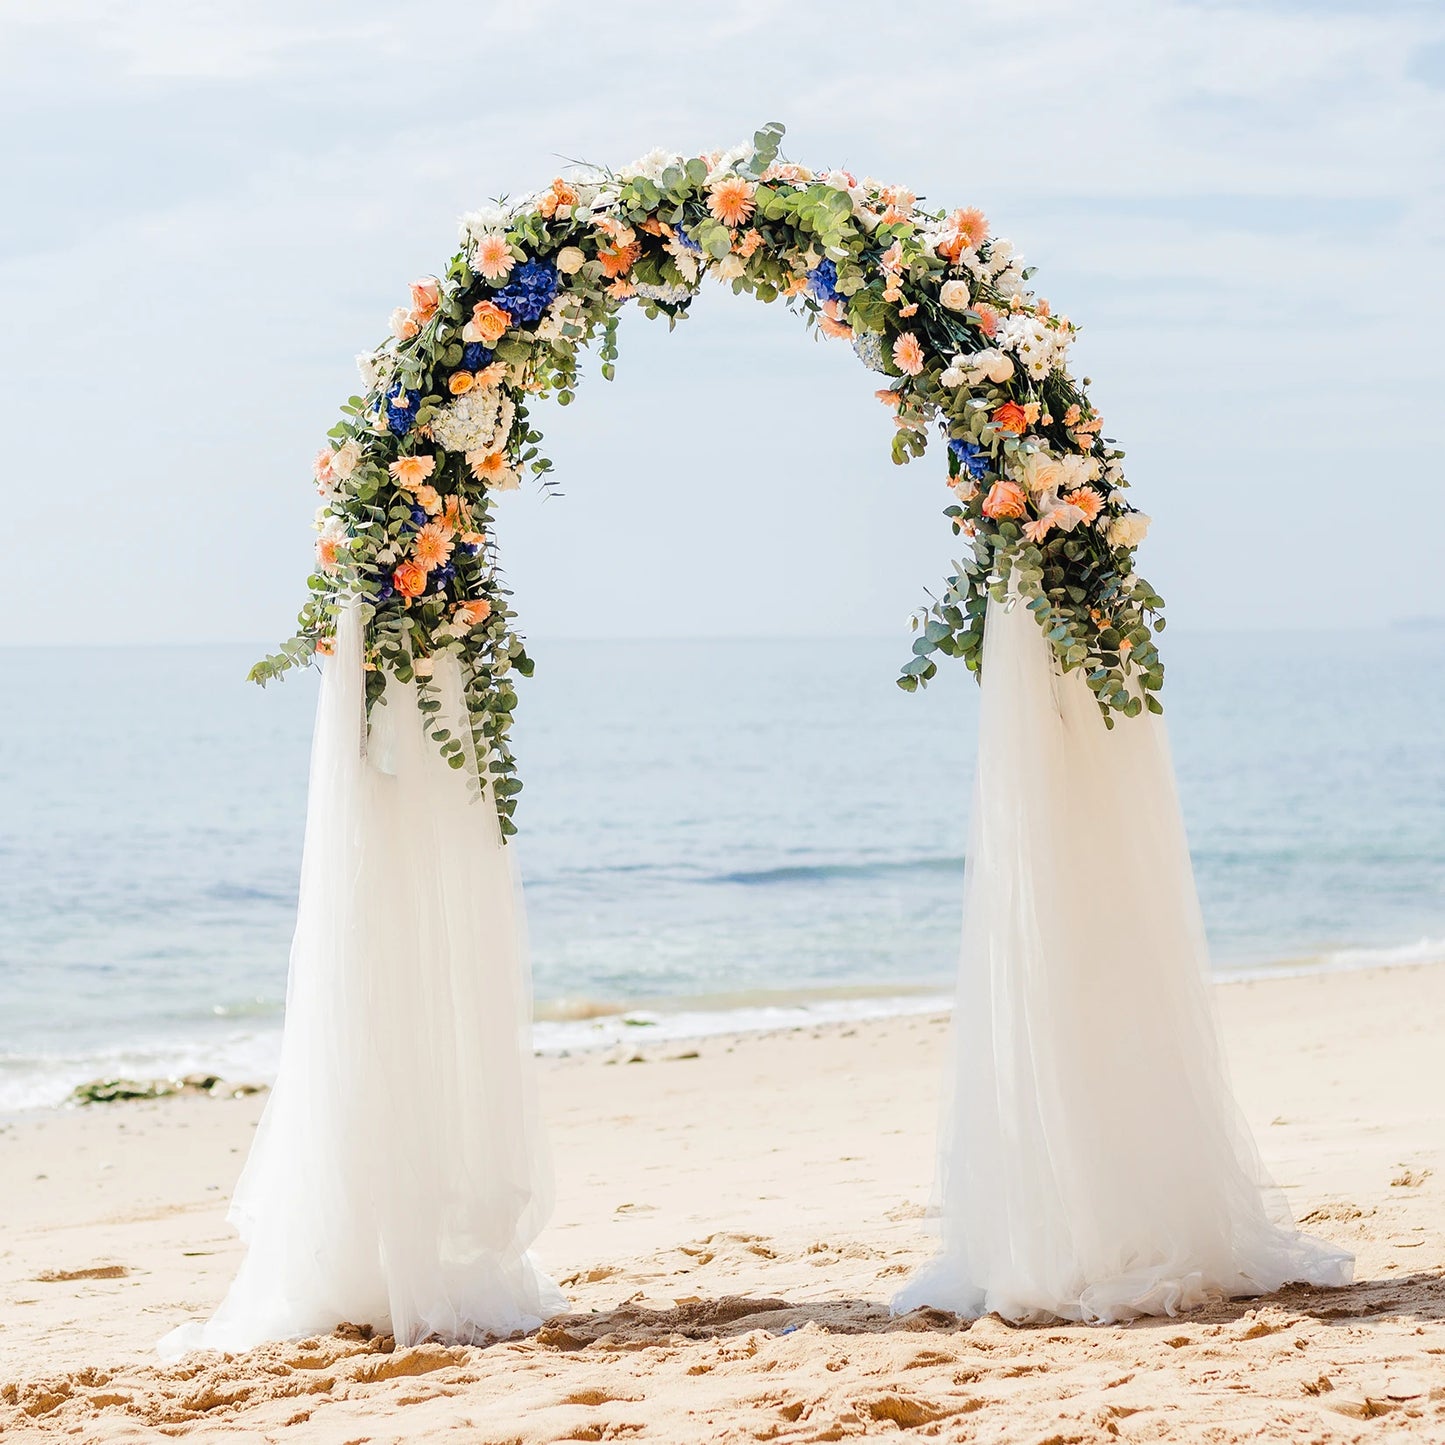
399,1173
1093,1163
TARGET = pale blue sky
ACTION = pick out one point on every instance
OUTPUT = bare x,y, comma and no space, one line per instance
213,207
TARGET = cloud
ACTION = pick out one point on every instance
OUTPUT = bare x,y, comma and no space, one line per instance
219,204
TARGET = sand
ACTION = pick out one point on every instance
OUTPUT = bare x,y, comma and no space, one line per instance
732,1218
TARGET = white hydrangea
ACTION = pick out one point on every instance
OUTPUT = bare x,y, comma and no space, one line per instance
477,421
369,368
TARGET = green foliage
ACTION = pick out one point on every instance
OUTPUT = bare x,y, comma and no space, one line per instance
655,233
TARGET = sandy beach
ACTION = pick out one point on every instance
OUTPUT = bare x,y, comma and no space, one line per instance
731,1220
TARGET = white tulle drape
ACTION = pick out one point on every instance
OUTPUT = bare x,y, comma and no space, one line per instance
1093,1163
399,1173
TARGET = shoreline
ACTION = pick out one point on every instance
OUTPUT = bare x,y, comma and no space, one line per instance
576,1024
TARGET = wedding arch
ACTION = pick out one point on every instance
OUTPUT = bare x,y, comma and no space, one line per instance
927,298
1093,1164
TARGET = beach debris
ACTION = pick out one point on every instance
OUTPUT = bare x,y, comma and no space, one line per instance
66,1276
111,1091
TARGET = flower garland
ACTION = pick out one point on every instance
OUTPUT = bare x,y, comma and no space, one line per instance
928,299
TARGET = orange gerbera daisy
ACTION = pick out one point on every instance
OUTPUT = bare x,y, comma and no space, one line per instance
1040,528
731,200
622,288
412,471
433,546
908,354
618,260
890,398
1088,501
987,317
474,612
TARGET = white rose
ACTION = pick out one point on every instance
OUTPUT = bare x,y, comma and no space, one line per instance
955,296
1128,529
954,376
345,458
730,267
570,260
422,666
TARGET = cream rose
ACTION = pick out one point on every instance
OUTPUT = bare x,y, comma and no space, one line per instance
345,458
955,295
570,260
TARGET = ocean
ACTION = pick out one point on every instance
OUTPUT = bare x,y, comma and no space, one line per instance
715,834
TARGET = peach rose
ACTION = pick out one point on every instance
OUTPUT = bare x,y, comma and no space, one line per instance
425,295
1011,417
460,381
403,325
488,325
322,468
409,579
1005,499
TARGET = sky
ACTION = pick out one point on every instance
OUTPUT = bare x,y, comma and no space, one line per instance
213,208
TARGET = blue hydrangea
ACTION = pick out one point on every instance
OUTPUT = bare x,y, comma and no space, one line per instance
419,518
529,292
475,356
823,281
686,241
470,548
971,458
868,348
384,589
401,409
440,576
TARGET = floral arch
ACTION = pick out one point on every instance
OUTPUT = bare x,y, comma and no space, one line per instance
928,299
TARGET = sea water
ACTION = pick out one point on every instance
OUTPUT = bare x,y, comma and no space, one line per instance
715,834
